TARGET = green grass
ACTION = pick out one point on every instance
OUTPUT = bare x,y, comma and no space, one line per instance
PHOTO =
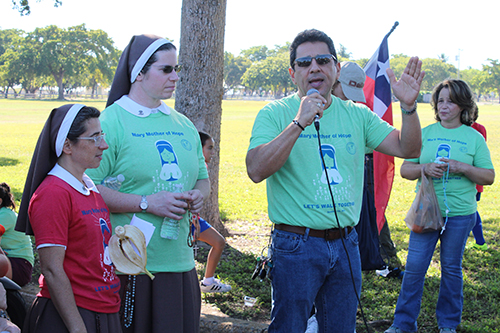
243,206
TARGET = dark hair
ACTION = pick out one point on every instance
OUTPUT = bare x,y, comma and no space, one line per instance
78,127
6,196
204,137
154,57
310,35
461,95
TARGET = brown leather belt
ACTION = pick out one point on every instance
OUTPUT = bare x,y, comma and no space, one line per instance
328,234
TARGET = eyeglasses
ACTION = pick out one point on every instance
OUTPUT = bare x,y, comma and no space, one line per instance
321,59
168,69
97,139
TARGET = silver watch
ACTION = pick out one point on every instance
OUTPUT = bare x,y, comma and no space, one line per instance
144,204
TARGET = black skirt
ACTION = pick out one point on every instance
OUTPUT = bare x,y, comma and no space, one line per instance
43,317
169,303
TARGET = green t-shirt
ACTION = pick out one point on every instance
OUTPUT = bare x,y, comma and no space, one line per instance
463,144
298,193
160,152
16,244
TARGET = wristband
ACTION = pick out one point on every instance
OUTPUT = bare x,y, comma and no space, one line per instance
298,124
409,112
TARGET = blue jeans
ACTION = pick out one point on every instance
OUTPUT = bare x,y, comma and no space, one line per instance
420,251
310,270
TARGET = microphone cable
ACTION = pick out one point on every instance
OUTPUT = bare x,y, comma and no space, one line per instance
316,125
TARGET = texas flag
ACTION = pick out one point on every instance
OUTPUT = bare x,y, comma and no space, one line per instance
377,91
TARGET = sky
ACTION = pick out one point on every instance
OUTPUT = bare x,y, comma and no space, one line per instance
466,33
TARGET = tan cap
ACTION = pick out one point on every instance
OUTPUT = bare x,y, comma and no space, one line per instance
352,77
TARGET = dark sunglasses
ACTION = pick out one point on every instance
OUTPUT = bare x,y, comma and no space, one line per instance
168,69
321,59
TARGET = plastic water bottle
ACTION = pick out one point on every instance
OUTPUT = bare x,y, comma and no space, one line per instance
112,182
170,227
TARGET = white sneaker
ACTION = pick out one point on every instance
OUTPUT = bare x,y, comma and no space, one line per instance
215,287
383,272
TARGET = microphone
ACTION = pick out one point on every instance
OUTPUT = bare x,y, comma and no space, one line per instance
316,118
312,91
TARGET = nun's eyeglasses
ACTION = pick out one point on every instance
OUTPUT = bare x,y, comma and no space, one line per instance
168,69
97,139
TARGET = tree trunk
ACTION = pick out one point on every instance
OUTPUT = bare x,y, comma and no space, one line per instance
200,88
60,87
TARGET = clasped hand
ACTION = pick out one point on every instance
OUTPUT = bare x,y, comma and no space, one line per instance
175,205
436,170
310,106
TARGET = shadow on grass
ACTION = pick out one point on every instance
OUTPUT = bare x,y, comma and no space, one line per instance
236,268
5,161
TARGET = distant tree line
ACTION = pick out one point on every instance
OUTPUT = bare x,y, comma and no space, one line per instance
259,69
77,57
66,58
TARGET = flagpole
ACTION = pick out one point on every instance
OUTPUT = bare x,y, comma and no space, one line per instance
392,29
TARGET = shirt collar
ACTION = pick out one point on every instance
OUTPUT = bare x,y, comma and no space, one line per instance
138,110
66,176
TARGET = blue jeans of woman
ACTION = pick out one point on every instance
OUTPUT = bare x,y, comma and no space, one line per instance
420,251
310,270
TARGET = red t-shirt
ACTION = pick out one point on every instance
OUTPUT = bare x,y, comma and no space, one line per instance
481,129
61,215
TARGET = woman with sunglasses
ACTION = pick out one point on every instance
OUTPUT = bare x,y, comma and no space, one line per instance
158,151
71,224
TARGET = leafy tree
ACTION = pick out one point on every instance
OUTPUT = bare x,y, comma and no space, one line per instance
10,73
9,77
276,71
269,74
67,53
256,53
398,63
443,58
234,68
477,80
24,8
279,49
9,37
342,53
254,77
493,71
435,72
101,65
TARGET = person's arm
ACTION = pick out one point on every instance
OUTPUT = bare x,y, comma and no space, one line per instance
266,159
198,194
407,142
481,176
411,170
477,175
7,326
61,293
164,204
5,265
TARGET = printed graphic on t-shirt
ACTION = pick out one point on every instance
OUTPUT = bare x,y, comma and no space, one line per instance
331,174
443,150
106,234
99,217
170,170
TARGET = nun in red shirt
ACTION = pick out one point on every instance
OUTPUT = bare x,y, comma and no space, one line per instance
71,224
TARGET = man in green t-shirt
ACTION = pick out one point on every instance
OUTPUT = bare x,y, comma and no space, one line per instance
315,180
